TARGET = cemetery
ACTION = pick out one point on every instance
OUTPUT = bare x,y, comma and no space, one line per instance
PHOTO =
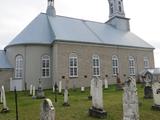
107,104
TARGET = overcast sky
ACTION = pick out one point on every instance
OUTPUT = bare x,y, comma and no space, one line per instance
144,14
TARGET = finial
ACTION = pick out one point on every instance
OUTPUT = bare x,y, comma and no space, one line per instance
50,9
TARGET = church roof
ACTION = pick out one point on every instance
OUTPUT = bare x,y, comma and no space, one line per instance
4,63
46,29
37,32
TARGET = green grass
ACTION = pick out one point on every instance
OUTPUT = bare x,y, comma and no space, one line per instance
29,109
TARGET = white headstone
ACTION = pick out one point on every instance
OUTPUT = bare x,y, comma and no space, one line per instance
4,99
31,90
60,87
156,93
65,96
91,87
82,89
34,91
130,100
105,83
47,110
97,93
53,89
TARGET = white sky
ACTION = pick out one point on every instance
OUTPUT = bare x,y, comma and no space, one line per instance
145,18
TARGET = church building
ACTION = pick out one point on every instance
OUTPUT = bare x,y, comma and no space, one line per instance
55,48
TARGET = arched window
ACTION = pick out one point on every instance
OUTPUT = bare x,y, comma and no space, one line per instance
119,6
146,62
115,68
73,65
96,65
111,8
131,65
45,66
19,67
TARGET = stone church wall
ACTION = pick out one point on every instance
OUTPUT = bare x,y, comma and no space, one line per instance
5,75
85,52
32,63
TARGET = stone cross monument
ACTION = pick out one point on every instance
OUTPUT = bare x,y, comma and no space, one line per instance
130,100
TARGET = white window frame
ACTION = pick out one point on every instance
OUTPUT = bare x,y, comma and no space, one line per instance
115,65
19,67
131,63
96,65
146,63
45,66
73,65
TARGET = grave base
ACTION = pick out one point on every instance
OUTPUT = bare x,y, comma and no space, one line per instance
5,110
148,97
90,97
148,93
66,104
156,107
40,97
119,87
98,113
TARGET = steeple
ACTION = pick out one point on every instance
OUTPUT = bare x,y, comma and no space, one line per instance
116,8
50,9
117,17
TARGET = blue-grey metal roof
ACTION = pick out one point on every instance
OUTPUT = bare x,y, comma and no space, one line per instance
37,32
153,71
4,63
45,29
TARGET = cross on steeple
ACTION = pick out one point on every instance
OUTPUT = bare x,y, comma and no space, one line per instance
50,9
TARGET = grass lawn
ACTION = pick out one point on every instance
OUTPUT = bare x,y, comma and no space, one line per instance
29,109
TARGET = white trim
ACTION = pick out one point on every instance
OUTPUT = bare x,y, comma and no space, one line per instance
95,65
146,62
131,64
74,66
115,65
19,67
46,59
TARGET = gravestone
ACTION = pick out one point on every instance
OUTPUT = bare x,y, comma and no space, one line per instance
130,100
82,89
91,89
105,83
156,95
5,108
40,92
53,89
119,83
97,99
34,91
148,93
47,110
60,87
66,103
31,90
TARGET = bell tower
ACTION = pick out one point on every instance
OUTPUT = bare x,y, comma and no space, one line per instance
116,8
117,17
50,9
